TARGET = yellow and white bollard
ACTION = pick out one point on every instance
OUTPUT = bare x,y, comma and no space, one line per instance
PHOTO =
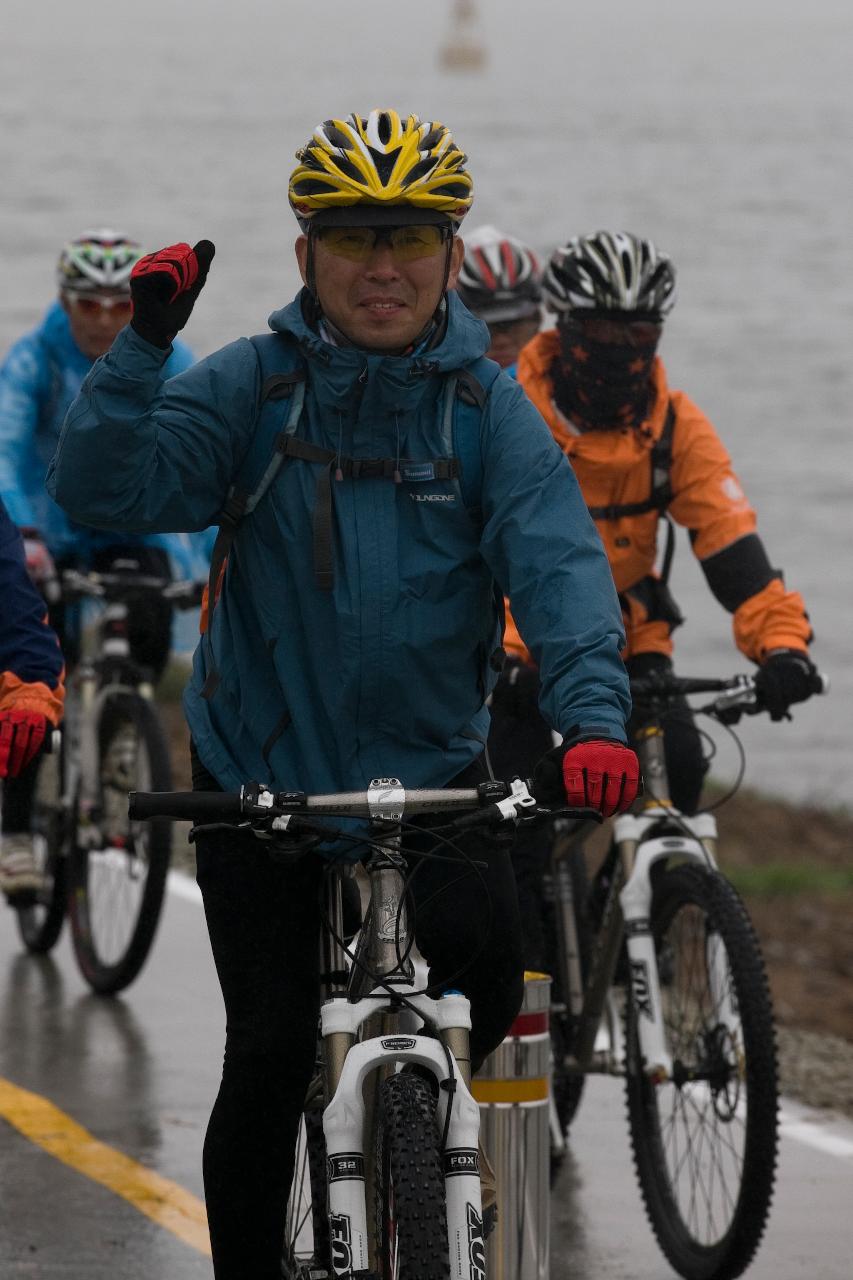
513,1089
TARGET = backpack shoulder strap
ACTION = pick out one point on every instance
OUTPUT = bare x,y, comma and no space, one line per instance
466,391
282,381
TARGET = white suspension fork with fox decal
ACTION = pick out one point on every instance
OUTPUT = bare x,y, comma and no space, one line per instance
641,854
343,1125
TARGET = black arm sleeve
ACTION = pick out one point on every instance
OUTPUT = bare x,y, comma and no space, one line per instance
739,571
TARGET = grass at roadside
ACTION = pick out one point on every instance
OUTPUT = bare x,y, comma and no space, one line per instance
786,879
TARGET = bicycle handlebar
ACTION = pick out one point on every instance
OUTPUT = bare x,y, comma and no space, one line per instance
385,800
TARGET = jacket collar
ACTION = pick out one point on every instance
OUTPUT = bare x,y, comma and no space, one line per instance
465,339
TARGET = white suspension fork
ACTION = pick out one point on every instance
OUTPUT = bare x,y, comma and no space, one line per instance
343,1124
636,901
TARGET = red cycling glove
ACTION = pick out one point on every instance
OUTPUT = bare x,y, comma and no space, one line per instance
601,775
164,287
21,735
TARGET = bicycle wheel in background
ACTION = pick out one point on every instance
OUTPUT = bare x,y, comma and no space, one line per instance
411,1210
705,1142
116,890
40,923
306,1236
567,1087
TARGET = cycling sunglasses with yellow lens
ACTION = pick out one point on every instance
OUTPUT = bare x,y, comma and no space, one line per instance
407,244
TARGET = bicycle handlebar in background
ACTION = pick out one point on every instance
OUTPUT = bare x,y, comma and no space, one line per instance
738,694
74,584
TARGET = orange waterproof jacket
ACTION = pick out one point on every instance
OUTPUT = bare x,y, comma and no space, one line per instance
614,469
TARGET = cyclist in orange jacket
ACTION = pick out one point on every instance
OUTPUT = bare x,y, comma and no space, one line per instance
642,450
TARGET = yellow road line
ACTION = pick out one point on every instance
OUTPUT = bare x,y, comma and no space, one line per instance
166,1203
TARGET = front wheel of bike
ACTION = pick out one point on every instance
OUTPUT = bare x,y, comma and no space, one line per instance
40,922
117,886
567,1087
411,1207
306,1237
705,1141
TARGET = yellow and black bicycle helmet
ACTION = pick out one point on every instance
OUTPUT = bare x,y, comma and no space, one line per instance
377,163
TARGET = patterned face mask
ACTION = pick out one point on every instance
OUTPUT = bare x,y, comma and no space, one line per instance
605,385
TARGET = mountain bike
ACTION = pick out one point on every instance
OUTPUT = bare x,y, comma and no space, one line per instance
387,1180
661,981
108,875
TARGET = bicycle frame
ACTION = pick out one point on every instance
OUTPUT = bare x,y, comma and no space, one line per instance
348,1062
658,833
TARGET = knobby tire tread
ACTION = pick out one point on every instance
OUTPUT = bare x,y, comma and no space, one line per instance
728,1257
409,1160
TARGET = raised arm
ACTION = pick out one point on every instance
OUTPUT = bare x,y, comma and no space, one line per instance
140,455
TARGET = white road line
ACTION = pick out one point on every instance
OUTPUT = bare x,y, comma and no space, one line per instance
821,1130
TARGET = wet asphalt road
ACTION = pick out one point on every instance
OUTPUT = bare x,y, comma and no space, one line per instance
140,1072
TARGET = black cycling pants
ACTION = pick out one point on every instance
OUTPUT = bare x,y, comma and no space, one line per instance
264,921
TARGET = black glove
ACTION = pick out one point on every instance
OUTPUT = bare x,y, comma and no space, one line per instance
785,677
164,287
516,693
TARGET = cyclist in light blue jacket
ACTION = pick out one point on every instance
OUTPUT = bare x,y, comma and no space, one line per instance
39,378
356,625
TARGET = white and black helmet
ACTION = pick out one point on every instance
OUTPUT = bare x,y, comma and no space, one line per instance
610,271
499,278
97,261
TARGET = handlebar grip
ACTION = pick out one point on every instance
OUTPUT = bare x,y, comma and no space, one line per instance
191,806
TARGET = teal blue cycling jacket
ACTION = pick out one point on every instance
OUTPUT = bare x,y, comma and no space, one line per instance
387,673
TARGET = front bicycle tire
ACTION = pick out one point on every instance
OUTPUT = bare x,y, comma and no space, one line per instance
117,888
40,922
705,1142
567,1087
411,1207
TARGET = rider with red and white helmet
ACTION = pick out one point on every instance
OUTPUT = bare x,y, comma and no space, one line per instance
500,282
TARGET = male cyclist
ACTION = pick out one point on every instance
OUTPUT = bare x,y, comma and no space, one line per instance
641,450
31,693
499,281
355,626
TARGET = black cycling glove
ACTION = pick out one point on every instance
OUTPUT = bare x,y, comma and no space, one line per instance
786,676
164,287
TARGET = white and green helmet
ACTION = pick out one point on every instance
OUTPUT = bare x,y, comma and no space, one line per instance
98,261
610,271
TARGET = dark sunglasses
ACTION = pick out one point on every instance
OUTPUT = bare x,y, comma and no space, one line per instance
407,244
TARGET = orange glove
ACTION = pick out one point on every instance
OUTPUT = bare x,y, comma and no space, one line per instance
21,736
